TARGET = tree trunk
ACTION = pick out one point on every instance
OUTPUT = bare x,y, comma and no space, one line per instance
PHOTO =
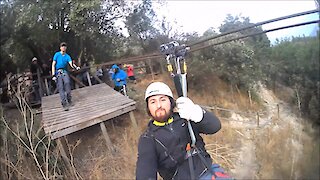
232,94
250,99
298,100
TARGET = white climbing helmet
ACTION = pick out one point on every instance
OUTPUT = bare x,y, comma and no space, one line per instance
157,88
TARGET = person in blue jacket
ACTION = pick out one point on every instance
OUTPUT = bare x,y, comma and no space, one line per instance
119,78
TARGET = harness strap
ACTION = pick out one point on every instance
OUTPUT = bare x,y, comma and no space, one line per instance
203,160
61,71
166,151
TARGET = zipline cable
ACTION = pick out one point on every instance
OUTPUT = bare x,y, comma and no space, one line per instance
254,34
255,25
158,55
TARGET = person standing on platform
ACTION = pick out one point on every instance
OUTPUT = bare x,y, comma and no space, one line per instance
60,74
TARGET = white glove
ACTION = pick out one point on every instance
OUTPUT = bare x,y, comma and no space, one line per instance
54,78
77,68
188,110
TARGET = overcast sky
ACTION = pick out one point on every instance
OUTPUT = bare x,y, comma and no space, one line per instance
198,16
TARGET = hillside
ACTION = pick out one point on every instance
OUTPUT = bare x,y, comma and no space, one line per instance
283,146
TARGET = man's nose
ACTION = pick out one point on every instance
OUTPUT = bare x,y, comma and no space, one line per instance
158,104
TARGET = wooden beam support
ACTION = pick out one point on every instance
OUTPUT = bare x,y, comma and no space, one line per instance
47,86
134,122
62,145
96,77
150,66
106,136
39,83
88,77
63,152
77,81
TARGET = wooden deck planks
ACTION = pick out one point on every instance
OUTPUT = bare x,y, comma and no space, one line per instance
81,118
93,104
78,127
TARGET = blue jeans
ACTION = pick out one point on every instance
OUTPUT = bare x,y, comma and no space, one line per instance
63,82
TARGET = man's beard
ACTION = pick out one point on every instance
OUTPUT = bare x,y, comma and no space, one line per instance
161,115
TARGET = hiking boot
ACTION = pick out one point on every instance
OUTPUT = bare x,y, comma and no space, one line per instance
65,107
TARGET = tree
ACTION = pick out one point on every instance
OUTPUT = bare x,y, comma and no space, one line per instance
259,43
298,67
140,25
35,28
237,62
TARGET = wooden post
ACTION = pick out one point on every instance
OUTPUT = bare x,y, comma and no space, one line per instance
76,86
112,124
250,100
258,119
63,152
47,86
77,81
149,64
39,83
162,66
134,122
232,94
99,80
106,136
278,112
88,77
298,101
55,91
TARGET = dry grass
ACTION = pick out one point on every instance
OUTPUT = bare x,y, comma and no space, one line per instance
27,152
287,153
217,92
104,164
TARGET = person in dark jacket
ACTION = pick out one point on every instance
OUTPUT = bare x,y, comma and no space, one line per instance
35,69
162,147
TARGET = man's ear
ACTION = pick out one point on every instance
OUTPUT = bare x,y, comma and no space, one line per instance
172,104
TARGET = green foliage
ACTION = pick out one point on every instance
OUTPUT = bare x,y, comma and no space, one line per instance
140,24
295,63
233,62
35,28
240,62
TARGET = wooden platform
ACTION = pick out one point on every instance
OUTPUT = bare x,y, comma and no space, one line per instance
93,105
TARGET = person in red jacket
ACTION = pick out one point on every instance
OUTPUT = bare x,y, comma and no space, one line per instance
130,73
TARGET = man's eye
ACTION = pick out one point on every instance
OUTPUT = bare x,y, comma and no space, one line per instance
163,100
151,102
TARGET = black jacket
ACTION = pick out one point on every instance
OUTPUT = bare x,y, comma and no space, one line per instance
163,148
